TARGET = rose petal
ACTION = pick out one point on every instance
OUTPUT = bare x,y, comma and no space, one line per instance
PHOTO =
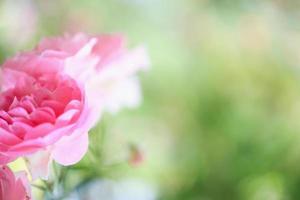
41,116
38,131
67,117
18,112
70,150
39,164
56,106
8,138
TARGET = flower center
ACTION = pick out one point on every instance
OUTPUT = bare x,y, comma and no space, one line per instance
36,101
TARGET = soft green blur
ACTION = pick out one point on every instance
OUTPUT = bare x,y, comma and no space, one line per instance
221,109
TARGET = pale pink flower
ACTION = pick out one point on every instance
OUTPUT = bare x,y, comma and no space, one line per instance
51,97
13,187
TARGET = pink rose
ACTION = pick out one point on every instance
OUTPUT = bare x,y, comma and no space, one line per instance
52,96
11,187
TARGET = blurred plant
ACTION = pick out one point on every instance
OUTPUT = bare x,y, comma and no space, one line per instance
221,110
18,23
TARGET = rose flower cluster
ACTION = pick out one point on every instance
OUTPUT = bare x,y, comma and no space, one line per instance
53,95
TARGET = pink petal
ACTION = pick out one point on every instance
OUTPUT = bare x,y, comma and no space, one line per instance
57,106
67,117
8,138
5,116
11,187
22,177
41,116
108,48
124,94
3,124
18,112
63,94
28,104
14,103
74,104
39,131
70,150
4,159
41,95
39,164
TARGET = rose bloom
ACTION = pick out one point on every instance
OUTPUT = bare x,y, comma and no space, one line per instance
52,96
13,187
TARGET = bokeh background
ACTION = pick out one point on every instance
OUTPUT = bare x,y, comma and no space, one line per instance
221,109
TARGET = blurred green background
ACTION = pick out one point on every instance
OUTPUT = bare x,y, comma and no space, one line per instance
221,109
